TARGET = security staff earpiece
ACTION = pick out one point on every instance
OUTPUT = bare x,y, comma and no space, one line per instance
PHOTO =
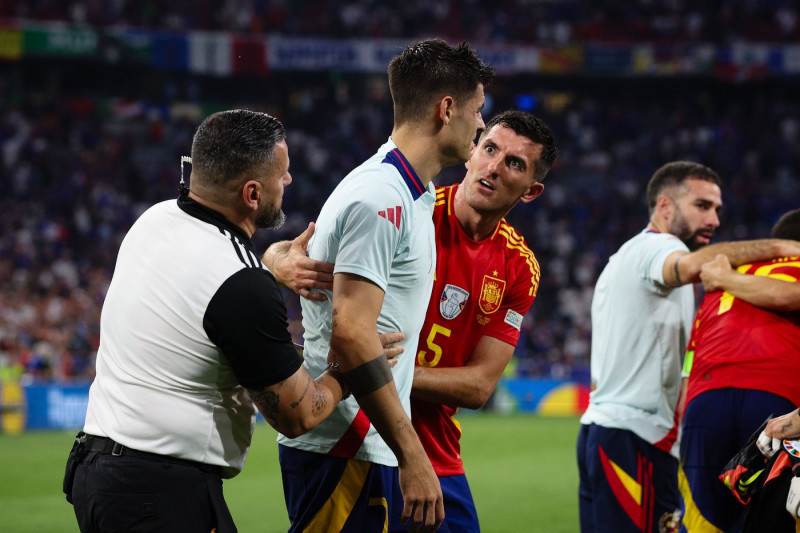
183,190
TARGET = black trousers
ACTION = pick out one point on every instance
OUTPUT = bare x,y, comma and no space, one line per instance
126,494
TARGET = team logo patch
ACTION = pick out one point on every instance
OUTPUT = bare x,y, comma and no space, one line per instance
492,291
452,301
792,447
513,319
670,522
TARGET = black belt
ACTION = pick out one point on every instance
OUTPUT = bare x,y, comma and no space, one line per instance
105,445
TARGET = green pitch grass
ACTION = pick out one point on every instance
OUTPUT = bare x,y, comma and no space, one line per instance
521,469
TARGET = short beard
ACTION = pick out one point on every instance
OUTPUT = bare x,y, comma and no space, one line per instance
270,219
680,229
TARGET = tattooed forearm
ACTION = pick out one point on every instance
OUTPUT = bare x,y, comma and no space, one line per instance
402,423
300,399
320,401
267,402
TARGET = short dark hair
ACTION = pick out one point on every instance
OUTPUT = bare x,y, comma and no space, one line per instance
229,143
534,128
431,69
788,226
674,174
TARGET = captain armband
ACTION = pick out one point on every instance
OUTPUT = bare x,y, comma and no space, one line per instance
369,377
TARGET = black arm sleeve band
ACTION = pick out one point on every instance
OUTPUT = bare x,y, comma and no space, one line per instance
369,377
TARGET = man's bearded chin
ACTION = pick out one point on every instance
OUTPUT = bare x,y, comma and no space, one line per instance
681,230
692,241
270,219
693,244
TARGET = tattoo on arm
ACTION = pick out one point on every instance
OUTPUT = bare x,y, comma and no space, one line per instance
677,271
267,402
402,423
320,401
300,399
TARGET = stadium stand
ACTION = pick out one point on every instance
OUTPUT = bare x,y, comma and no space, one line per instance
513,21
86,146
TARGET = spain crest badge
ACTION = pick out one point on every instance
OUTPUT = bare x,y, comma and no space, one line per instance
492,290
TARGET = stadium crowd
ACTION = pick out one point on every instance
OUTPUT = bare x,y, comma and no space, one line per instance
80,161
78,168
513,21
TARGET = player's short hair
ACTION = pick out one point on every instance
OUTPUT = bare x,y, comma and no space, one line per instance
674,174
427,71
229,143
788,226
534,128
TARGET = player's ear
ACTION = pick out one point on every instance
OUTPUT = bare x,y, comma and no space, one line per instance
251,191
533,192
445,109
665,206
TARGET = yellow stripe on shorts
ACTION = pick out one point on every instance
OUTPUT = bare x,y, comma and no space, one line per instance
693,520
382,503
333,515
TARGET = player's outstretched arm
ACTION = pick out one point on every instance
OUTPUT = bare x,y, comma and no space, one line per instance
356,347
763,291
684,267
298,403
288,262
469,386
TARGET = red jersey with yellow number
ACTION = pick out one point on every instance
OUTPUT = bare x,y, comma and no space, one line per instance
480,288
739,345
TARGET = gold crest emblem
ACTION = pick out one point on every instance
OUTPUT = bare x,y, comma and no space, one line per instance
492,291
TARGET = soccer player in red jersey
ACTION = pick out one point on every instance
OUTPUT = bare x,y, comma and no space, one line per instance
742,366
486,280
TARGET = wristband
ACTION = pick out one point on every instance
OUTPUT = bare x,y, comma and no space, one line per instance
339,377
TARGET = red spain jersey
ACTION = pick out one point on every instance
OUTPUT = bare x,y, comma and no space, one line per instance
739,345
480,288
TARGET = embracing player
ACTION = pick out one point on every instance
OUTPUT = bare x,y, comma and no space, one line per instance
486,280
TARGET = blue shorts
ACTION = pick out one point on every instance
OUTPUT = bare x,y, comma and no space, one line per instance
716,425
460,515
331,494
626,483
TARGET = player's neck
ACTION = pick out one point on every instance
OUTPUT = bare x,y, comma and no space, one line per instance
658,226
477,226
420,150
